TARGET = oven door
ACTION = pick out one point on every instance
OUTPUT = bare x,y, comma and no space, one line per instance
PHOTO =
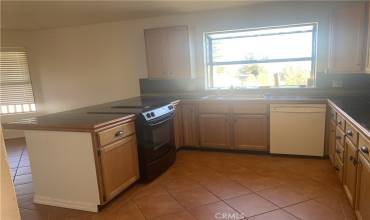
158,137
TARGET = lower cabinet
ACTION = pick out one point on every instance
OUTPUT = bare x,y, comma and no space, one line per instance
177,124
339,168
350,168
331,142
250,132
189,125
362,207
119,166
214,130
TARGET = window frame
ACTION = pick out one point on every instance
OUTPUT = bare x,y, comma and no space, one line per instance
31,106
209,53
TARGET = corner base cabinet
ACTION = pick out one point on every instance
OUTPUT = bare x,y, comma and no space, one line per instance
82,169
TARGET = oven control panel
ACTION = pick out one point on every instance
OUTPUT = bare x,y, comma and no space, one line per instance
158,112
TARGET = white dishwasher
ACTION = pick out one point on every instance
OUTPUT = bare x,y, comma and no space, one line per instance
297,129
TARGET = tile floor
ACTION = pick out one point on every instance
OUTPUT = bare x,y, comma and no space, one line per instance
209,185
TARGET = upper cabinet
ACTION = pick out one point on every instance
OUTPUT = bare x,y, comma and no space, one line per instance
346,39
367,61
168,52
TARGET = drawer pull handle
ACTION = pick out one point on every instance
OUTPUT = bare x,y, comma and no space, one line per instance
349,133
338,151
365,150
338,137
118,133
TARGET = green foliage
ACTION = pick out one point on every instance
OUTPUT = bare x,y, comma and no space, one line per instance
294,75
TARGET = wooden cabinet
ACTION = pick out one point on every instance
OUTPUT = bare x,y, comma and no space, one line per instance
331,141
119,166
214,130
362,206
367,60
350,169
177,121
346,39
250,132
168,52
189,125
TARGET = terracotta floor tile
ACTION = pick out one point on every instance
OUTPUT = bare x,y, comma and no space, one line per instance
312,210
194,197
227,189
180,184
176,216
283,196
23,171
148,190
261,183
156,205
23,179
274,215
251,204
219,210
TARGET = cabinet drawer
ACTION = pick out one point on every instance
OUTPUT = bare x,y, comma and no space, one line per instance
339,151
213,108
116,133
339,168
245,108
364,147
340,122
339,136
351,133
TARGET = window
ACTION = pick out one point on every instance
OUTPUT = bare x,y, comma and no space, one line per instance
267,57
16,95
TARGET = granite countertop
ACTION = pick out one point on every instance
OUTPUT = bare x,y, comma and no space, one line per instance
68,121
357,108
88,118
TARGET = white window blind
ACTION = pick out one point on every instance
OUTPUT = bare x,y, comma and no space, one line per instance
16,95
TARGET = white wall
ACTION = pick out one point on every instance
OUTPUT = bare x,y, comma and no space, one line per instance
85,65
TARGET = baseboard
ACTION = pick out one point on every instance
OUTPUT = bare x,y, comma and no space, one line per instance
65,204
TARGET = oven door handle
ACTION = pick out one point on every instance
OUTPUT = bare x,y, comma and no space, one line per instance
161,122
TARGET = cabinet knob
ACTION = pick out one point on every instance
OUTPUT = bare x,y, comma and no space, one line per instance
349,133
338,137
337,168
338,151
339,122
364,150
350,158
118,133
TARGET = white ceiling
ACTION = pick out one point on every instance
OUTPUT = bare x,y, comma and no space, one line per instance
34,15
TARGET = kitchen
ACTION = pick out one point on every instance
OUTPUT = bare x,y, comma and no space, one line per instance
187,110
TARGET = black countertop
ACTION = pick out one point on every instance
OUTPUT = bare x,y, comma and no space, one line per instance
87,118
358,108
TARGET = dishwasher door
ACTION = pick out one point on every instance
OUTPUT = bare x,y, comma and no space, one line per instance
297,129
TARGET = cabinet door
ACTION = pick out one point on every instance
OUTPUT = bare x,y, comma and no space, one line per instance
119,165
350,168
178,127
178,52
367,61
347,39
156,52
250,132
214,130
189,128
362,207
332,140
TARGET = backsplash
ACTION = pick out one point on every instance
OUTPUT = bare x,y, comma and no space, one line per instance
327,85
